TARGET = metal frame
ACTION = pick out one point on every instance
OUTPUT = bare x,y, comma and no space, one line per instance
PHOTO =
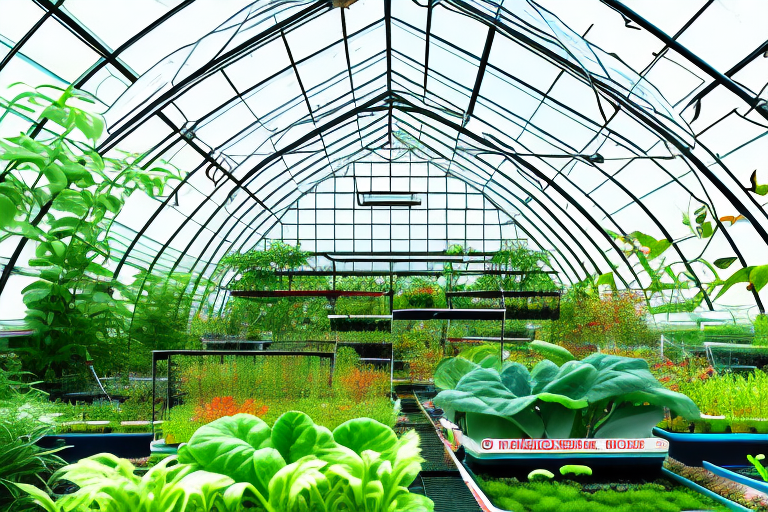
388,99
165,355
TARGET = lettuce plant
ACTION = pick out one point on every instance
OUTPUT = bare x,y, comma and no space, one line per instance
108,483
297,466
601,396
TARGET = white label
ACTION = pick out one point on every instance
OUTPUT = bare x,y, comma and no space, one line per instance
652,444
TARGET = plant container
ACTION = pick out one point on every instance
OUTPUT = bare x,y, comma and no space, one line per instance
129,446
721,449
346,323
517,457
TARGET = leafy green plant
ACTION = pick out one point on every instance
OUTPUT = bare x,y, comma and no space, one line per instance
600,396
755,461
297,465
22,461
570,496
761,330
107,482
57,191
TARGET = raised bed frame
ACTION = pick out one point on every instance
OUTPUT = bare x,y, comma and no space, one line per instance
546,313
165,355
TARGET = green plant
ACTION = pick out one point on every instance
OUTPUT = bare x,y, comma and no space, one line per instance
540,475
59,192
108,483
575,469
571,496
600,396
736,396
755,461
297,465
22,461
761,330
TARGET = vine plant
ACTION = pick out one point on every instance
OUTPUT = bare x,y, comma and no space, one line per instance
59,192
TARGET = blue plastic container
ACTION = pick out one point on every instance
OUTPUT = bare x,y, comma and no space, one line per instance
719,449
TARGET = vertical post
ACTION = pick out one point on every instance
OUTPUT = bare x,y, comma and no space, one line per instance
661,347
391,290
154,389
334,274
333,366
168,387
503,326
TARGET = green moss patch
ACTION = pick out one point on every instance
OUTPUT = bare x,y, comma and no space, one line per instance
569,496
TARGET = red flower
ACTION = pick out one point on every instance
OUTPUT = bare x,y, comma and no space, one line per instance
666,378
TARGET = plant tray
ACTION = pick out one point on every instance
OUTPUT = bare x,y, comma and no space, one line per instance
129,446
347,323
448,314
527,454
253,294
721,449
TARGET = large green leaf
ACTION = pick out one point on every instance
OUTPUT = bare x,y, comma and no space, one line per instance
630,422
239,447
362,434
8,212
449,371
295,435
756,276
554,353
657,247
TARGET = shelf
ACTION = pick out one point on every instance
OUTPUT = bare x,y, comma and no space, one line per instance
480,339
448,314
373,317
260,294
497,294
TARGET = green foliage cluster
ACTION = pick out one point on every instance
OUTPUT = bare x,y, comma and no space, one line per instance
602,396
736,396
58,192
570,496
280,384
239,462
616,319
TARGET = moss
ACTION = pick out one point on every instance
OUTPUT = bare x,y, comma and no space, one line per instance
571,496
547,504
525,496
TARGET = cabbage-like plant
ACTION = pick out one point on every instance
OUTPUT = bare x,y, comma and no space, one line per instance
297,466
108,483
600,396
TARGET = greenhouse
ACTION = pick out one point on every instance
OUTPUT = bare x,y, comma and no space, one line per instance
383,255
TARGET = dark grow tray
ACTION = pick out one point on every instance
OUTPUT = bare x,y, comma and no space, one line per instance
720,449
129,446
346,323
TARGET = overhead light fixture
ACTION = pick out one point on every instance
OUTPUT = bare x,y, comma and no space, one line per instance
388,199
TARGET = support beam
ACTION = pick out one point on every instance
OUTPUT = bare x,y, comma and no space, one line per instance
718,77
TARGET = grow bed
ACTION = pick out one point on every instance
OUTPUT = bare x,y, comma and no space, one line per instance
591,495
722,449
519,305
363,323
517,457
448,314
261,294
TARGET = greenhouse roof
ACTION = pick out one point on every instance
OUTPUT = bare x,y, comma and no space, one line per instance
409,126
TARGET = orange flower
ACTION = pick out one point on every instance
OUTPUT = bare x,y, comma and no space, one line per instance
226,406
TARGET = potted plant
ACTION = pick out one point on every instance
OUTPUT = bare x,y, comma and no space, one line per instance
594,410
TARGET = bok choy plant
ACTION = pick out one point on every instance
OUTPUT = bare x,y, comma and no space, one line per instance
601,396
238,462
297,466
